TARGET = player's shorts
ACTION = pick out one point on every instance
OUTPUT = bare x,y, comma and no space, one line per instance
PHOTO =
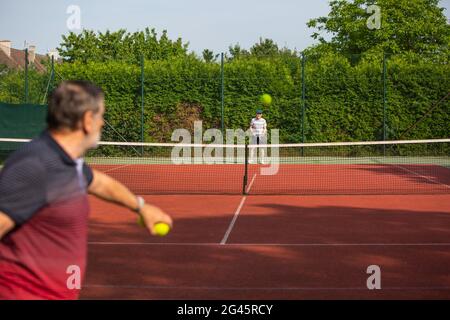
259,139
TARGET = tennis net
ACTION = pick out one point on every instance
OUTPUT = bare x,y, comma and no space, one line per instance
381,167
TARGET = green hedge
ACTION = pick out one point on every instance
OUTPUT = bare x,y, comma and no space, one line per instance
344,98
12,86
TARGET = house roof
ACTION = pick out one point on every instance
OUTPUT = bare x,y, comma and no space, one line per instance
17,60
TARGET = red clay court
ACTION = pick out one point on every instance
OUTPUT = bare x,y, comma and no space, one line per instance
316,243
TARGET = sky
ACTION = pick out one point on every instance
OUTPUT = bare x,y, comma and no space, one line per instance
205,24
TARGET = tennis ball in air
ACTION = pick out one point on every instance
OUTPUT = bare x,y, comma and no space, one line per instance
266,99
161,229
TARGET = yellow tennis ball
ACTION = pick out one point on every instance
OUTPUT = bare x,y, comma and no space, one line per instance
161,229
266,99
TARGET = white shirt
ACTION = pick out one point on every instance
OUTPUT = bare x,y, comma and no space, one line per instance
258,126
79,165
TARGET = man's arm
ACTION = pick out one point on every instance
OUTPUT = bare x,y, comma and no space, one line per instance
22,191
109,189
6,224
252,126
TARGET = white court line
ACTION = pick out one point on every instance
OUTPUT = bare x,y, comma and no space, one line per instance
213,244
117,168
233,221
426,178
414,173
262,288
236,214
251,183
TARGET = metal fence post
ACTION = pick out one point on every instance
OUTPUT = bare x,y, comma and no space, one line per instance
222,92
142,102
26,75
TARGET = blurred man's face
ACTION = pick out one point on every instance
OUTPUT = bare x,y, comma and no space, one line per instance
93,126
258,115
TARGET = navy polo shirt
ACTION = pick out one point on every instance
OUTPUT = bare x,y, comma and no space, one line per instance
44,191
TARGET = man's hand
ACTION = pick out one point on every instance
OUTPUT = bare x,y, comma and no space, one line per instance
153,215
6,224
107,188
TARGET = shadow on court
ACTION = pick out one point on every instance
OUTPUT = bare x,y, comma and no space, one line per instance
276,250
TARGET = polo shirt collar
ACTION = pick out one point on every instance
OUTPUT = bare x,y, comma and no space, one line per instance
57,148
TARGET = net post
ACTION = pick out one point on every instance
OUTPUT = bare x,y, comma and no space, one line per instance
244,185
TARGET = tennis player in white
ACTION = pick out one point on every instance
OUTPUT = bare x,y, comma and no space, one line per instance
258,128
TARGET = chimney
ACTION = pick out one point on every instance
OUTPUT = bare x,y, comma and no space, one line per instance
31,53
53,53
5,46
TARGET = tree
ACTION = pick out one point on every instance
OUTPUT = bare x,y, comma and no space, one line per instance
120,45
416,26
208,56
237,52
264,48
3,69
